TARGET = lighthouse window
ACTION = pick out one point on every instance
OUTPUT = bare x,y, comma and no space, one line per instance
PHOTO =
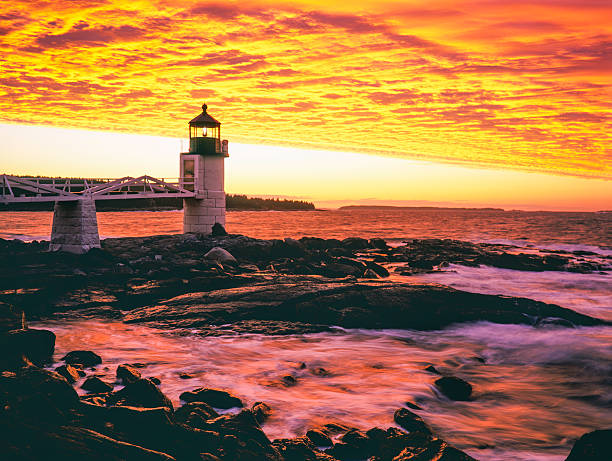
188,168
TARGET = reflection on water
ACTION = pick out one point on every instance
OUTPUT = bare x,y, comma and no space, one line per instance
535,227
537,390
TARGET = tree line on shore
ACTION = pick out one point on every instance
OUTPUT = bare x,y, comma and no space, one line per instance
233,202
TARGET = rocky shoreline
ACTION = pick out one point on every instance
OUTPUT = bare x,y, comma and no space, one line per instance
232,284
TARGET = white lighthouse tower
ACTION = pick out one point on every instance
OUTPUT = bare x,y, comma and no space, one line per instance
202,171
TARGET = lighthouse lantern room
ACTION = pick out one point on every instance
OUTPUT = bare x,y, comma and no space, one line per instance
202,171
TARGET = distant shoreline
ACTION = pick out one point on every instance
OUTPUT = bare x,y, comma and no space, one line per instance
393,207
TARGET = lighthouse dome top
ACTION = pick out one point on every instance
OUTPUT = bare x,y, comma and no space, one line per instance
204,119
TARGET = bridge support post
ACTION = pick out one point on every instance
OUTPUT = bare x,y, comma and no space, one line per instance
75,226
208,206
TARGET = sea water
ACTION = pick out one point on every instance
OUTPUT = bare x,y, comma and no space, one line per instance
535,389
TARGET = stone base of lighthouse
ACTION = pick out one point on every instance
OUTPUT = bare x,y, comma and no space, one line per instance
208,206
75,226
200,214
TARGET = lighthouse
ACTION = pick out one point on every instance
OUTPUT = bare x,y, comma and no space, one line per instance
202,171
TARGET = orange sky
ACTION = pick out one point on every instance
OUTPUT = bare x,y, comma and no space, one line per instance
514,85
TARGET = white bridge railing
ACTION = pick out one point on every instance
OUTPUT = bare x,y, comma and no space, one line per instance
15,189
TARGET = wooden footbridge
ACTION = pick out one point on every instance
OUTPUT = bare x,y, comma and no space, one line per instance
75,225
17,189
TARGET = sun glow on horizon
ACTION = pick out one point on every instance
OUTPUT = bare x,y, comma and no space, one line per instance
330,179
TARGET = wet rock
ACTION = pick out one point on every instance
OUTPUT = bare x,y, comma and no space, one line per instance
68,443
413,406
454,388
218,230
289,380
592,446
388,444
141,393
320,372
69,372
410,421
96,385
377,269
214,397
221,255
155,380
11,318
319,438
35,346
127,374
432,369
355,243
195,414
261,411
34,394
435,449
84,358
185,376
243,439
297,449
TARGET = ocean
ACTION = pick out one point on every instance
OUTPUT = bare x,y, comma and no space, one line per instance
536,389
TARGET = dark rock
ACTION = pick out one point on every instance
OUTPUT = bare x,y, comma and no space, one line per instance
26,345
378,243
355,243
289,380
413,406
432,369
454,388
141,393
185,376
297,449
592,446
377,269
22,441
84,358
195,414
11,318
319,438
155,380
127,374
96,385
69,372
261,411
410,421
214,397
243,439
388,444
320,372
218,230
34,394
435,449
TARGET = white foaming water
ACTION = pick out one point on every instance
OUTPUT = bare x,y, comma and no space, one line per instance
537,390
589,294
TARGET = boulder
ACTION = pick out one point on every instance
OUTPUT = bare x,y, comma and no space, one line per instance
218,230
69,372
221,255
84,358
435,449
297,449
243,439
454,388
34,394
353,445
214,397
319,438
127,374
195,414
96,385
261,411
26,345
592,446
410,421
141,393
11,318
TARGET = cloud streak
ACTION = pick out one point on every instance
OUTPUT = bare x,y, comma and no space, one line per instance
472,82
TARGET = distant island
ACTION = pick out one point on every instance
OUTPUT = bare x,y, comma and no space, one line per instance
233,202
393,207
